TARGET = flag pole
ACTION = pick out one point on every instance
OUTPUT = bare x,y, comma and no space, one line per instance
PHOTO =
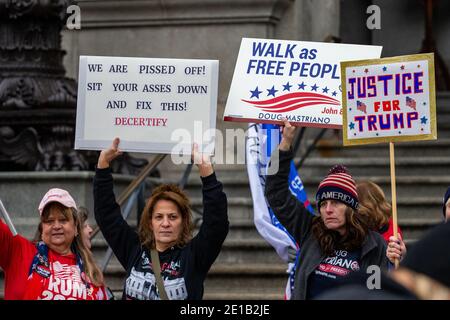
7,219
394,194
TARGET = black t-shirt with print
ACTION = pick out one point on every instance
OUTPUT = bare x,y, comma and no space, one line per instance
332,270
141,282
183,269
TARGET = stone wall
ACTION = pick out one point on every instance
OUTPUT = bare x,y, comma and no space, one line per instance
402,26
212,29
198,29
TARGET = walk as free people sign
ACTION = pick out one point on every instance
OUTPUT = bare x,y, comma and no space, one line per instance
298,80
153,105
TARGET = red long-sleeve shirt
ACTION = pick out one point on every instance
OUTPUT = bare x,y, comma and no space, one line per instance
388,231
64,283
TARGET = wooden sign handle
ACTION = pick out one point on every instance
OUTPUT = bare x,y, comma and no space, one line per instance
394,194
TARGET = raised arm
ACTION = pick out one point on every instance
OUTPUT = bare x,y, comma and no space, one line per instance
122,239
6,245
289,211
10,247
214,229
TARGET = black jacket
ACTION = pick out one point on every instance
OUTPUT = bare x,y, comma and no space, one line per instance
298,221
356,288
183,269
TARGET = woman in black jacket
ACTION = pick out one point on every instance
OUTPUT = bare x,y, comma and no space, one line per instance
333,244
165,226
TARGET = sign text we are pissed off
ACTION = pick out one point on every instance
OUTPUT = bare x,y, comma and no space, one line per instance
157,87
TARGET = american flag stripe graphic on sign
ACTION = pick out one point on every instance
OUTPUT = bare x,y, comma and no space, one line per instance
292,101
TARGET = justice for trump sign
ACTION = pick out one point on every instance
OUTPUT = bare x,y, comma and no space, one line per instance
296,80
145,102
390,99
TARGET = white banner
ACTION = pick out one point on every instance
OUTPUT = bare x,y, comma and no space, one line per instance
153,105
294,79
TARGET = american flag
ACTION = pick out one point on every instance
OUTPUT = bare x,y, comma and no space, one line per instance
262,140
410,102
293,101
361,106
66,272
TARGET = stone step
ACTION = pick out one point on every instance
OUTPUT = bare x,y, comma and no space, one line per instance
426,186
263,278
334,148
242,295
443,100
414,212
241,215
443,117
248,250
413,229
407,207
378,166
215,294
234,251
241,208
267,278
256,250
223,275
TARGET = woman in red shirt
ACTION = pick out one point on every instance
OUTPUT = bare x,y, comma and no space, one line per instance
377,211
58,266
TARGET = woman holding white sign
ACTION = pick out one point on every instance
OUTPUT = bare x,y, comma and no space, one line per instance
162,260
332,245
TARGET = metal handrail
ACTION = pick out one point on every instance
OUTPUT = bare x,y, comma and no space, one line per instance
185,176
7,219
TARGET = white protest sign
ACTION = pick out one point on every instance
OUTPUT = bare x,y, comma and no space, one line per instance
389,99
153,105
294,79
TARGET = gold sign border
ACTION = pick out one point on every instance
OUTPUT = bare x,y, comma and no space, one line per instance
432,96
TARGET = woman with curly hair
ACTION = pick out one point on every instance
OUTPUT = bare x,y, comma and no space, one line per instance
377,213
164,235
334,243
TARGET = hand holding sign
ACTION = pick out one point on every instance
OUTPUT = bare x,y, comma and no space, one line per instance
396,249
288,136
388,100
108,155
202,161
